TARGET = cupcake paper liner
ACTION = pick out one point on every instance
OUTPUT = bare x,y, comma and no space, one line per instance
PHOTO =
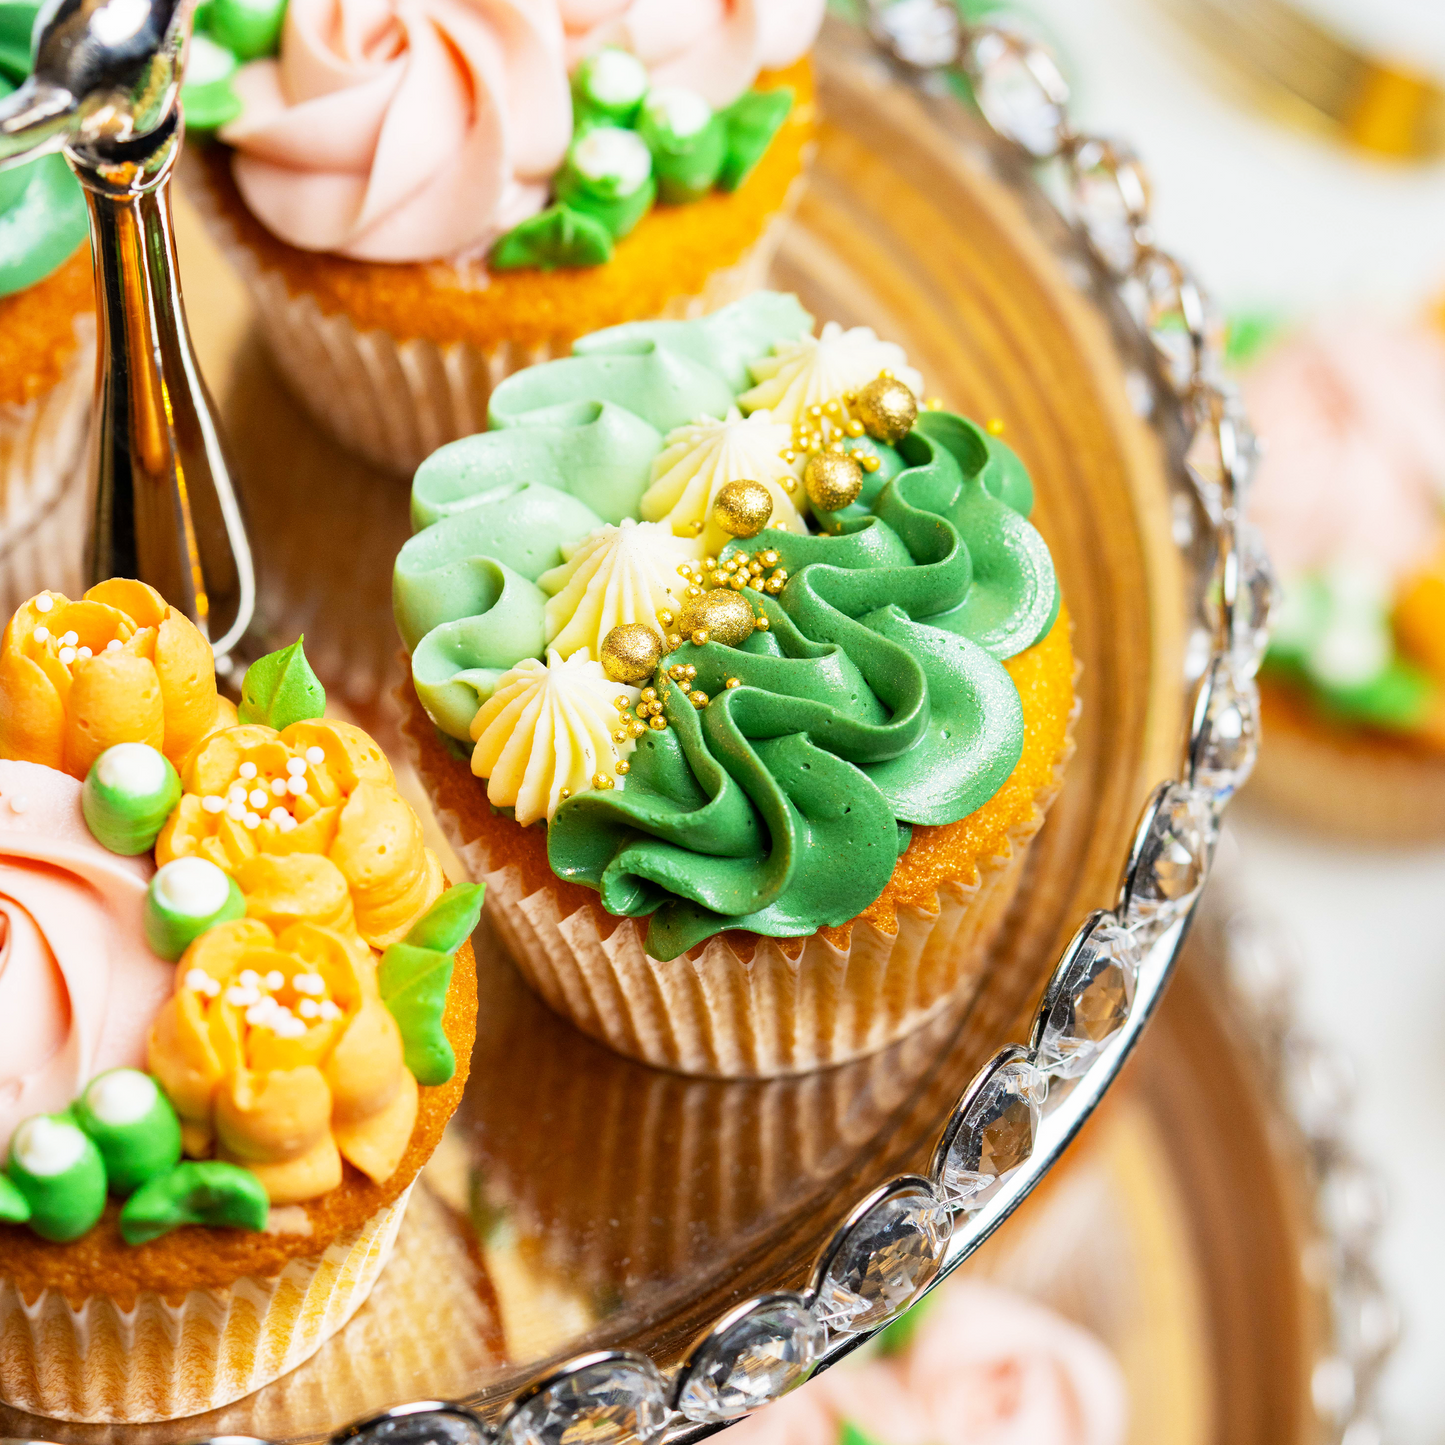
159,1360
793,1006
42,481
395,402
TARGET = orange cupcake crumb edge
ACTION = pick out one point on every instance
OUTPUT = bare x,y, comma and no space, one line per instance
671,254
37,329
1044,676
195,1257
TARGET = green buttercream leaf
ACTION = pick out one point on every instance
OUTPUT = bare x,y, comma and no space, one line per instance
41,223
14,1206
559,237
280,689
207,1192
17,22
751,122
451,920
249,29
414,983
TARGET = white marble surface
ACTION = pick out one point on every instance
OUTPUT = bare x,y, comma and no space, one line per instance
1276,219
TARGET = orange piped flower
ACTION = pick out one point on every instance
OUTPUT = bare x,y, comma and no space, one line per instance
279,1055
119,666
318,788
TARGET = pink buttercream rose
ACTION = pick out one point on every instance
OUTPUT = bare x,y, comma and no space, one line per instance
403,130
79,988
716,47
986,1367
1352,412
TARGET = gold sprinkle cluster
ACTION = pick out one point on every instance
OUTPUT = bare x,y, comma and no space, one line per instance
759,571
633,722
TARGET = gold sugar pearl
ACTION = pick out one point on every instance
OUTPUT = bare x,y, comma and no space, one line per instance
622,704
742,508
773,586
871,463
566,793
768,558
855,428
623,768
887,408
761,622
732,682
631,652
995,426
649,694
699,637
601,780
833,481
620,736
690,593
658,724
698,699
666,617
722,614
674,641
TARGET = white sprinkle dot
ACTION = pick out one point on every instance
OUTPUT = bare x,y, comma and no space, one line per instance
70,639
84,654
288,824
329,1009
196,979
308,1008
239,997
44,602
213,987
277,814
315,756
298,786
213,803
278,787
249,977
252,820
295,766
114,645
259,798
236,793
236,810
309,983
247,771
67,655
275,979
19,803
41,635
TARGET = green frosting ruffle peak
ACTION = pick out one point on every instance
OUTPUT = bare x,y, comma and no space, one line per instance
876,699
42,207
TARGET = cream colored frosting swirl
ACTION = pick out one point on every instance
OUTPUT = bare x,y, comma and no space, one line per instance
715,47
79,989
403,130
546,732
707,454
816,369
614,575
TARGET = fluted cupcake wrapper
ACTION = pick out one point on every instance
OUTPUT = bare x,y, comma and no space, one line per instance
99,1362
42,481
396,401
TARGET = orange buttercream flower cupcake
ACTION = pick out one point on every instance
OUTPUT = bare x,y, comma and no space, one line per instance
246,1004
120,665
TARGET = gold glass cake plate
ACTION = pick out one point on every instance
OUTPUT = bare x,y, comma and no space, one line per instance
582,1201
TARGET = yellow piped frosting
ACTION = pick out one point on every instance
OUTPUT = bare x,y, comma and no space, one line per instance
701,458
614,575
546,732
320,787
119,666
279,1055
818,369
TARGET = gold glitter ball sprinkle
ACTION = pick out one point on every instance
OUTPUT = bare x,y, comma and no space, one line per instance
699,637
887,408
631,652
698,699
601,780
620,736
623,768
658,723
761,622
722,614
833,481
732,682
742,508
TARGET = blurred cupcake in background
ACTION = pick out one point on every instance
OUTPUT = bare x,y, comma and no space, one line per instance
424,201
1351,498
47,348
975,1365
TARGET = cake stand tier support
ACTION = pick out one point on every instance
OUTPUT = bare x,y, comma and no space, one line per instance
105,90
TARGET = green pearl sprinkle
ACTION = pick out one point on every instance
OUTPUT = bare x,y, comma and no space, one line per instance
608,175
60,1173
128,795
609,87
186,897
688,142
132,1124
209,1192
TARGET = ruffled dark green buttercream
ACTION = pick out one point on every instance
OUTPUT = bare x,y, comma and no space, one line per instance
876,699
